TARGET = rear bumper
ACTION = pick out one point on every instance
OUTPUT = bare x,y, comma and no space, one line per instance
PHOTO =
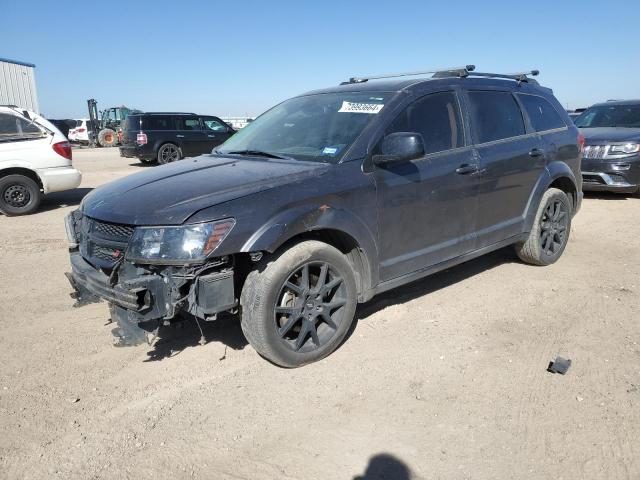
136,151
59,179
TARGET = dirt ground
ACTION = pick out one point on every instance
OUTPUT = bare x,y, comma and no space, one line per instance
445,378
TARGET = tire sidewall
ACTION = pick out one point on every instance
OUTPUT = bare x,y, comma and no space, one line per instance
551,196
260,312
34,193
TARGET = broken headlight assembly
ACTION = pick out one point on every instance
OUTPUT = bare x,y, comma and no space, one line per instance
177,245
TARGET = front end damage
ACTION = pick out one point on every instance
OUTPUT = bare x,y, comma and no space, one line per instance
142,297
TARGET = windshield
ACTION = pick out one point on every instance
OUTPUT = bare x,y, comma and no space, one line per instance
314,127
610,116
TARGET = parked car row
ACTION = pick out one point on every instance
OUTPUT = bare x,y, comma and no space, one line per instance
323,202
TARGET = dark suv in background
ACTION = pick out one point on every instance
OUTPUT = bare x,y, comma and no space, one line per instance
169,136
328,199
611,159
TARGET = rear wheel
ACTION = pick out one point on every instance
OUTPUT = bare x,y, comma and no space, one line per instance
19,195
107,138
550,233
168,153
298,306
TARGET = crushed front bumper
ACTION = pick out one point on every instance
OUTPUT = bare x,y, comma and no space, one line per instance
141,301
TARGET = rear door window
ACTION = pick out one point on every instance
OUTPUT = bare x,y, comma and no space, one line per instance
188,123
495,115
14,127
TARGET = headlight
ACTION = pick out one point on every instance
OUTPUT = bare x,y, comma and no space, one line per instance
626,148
183,244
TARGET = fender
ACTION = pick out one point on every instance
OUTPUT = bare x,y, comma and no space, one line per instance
308,218
9,164
552,172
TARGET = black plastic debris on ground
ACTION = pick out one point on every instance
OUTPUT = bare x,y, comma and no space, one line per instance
560,365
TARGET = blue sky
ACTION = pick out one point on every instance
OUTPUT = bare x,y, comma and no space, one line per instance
241,57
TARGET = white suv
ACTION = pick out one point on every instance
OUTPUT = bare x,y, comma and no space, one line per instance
35,159
80,133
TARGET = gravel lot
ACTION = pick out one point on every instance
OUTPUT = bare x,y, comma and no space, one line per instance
444,378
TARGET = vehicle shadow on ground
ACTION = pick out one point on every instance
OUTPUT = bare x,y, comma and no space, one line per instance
68,198
383,466
143,164
608,196
174,339
435,282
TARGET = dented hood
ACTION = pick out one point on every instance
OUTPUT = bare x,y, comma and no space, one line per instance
170,194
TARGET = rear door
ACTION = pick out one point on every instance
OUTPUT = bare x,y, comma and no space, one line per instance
216,132
192,139
511,160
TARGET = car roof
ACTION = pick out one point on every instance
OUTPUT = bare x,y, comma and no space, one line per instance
162,113
617,102
421,83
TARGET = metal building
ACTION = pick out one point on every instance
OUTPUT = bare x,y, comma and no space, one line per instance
18,84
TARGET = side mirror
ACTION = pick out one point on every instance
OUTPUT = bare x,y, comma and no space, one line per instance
400,147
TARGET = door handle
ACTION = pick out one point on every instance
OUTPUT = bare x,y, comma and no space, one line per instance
180,136
211,136
466,168
536,152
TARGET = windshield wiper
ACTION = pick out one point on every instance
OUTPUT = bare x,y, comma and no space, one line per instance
256,153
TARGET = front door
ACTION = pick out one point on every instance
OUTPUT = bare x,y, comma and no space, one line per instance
427,207
216,132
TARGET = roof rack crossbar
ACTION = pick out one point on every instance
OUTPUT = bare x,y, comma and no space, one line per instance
459,71
520,76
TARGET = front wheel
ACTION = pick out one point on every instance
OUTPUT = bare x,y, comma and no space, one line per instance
550,233
19,195
298,306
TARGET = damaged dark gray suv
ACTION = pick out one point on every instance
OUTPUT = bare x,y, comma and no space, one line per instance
328,199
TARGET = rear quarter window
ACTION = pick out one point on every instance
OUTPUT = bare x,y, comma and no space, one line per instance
14,127
542,114
158,122
495,115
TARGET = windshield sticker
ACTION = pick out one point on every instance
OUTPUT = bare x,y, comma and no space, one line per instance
351,107
330,150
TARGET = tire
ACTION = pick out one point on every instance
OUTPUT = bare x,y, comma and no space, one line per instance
550,232
19,195
168,153
107,138
292,322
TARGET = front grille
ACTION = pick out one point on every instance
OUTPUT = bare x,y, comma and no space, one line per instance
103,243
595,151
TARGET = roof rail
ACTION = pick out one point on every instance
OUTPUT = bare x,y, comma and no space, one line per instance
446,72
519,77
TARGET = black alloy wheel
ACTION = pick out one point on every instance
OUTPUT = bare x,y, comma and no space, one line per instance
553,229
308,310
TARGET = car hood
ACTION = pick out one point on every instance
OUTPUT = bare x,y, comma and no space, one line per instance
170,194
594,136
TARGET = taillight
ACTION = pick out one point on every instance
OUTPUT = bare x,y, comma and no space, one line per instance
141,138
80,130
63,149
581,142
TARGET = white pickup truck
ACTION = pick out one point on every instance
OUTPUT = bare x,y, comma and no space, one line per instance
35,159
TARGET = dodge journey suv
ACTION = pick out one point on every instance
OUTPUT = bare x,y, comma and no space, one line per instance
328,199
